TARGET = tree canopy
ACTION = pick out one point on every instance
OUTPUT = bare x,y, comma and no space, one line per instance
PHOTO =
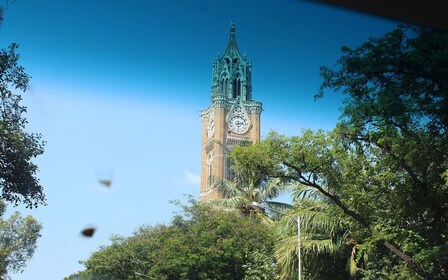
18,237
202,243
18,148
384,166
397,111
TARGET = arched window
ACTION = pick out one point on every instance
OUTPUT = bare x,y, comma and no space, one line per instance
238,88
236,91
224,85
221,87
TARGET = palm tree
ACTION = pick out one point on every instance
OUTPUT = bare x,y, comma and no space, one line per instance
324,234
246,189
323,237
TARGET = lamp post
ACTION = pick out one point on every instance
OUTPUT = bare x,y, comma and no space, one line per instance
299,268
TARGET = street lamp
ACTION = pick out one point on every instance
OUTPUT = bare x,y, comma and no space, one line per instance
258,205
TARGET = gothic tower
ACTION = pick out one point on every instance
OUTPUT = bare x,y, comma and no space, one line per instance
232,118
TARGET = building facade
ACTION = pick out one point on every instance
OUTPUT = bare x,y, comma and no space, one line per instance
232,118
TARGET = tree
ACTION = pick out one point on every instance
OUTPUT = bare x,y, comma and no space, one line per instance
18,148
323,231
246,188
18,237
384,166
397,104
260,266
324,250
202,243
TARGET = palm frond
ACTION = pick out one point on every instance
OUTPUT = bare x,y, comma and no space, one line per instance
351,262
278,205
272,188
246,189
226,187
301,191
321,233
231,203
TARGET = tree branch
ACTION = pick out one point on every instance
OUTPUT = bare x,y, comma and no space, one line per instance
301,179
357,217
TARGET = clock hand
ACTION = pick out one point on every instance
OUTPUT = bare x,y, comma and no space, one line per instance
238,124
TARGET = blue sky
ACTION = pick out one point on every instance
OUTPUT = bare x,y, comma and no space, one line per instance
117,89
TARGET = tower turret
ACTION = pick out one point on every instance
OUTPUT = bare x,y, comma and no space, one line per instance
232,72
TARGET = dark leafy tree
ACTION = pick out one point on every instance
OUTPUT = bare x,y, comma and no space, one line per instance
397,104
18,182
384,166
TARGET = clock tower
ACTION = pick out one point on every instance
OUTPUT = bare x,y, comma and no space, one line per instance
232,118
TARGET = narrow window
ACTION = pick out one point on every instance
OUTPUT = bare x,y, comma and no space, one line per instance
229,174
235,88
238,87
209,171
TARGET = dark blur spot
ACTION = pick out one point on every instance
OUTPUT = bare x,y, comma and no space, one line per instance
107,183
88,232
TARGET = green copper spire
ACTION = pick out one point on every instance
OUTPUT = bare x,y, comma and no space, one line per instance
232,46
231,77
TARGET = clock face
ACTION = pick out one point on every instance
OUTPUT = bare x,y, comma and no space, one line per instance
239,124
211,128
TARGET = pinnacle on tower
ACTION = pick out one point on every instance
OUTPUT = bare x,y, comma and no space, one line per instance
232,44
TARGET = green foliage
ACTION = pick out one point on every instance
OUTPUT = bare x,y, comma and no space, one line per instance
323,235
17,147
249,192
200,244
396,109
18,237
260,266
383,168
